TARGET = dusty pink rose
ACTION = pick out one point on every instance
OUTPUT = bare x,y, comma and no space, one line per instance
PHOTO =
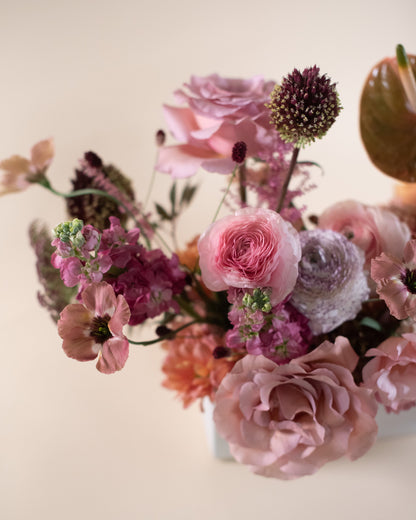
286,421
18,171
216,112
95,328
396,281
254,248
391,374
372,229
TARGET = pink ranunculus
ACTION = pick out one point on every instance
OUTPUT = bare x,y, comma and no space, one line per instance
374,230
216,113
391,374
286,421
95,328
254,248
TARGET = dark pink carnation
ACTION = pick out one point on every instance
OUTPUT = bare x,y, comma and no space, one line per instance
391,374
286,421
254,248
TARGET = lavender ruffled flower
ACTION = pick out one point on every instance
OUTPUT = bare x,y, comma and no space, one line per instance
331,285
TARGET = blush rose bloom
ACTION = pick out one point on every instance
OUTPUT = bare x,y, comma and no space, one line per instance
391,374
286,421
216,113
254,248
372,229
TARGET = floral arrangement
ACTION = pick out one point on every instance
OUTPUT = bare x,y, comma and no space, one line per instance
297,328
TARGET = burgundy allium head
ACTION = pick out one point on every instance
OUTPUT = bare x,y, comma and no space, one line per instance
331,285
304,106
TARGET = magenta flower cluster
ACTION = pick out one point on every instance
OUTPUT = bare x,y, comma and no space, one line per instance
147,279
279,333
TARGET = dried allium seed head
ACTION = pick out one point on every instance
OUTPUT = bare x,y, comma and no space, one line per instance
304,106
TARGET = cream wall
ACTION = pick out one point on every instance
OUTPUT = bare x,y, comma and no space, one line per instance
75,444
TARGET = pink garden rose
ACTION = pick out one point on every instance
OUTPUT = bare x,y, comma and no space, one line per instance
372,229
216,112
396,281
287,421
254,248
95,328
391,374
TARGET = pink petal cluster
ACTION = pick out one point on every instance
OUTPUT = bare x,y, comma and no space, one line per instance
372,229
81,265
391,374
280,334
18,171
147,279
287,421
217,113
396,281
254,248
94,328
331,285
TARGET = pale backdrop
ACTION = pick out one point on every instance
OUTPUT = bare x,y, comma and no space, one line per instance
75,444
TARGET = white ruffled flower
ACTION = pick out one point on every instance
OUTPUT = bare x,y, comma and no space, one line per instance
331,285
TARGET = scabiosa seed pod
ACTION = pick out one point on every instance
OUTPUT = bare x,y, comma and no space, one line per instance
239,152
160,137
331,285
304,106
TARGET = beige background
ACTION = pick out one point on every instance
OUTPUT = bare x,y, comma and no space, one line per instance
75,444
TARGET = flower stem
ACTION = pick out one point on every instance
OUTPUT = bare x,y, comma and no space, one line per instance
169,335
242,181
288,177
93,191
225,194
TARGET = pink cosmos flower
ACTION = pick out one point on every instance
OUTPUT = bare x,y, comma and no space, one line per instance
218,113
254,248
19,170
396,281
287,421
372,229
391,374
95,328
